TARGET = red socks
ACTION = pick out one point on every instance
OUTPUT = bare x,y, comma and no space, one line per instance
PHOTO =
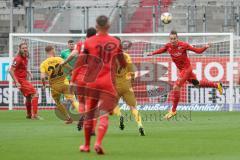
87,131
89,127
94,125
81,107
102,129
176,94
206,83
35,105
29,108
175,100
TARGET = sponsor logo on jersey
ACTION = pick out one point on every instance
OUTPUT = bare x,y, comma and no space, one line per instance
177,54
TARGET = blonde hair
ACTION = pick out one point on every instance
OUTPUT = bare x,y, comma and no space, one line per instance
49,48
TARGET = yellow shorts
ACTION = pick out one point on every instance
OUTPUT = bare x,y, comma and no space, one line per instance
58,90
125,91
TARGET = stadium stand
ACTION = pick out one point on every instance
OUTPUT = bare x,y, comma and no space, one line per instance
55,16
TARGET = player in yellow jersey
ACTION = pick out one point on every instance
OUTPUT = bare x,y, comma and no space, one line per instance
58,82
123,83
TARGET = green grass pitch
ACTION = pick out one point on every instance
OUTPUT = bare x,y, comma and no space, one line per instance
203,136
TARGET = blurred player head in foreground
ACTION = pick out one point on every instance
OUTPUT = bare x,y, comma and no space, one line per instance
102,23
50,51
71,45
173,37
23,49
91,32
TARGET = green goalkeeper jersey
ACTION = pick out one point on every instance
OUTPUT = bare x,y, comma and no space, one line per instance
64,54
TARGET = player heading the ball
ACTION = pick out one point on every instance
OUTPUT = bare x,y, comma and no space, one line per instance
178,52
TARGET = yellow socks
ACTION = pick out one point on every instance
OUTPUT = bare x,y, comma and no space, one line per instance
137,116
117,111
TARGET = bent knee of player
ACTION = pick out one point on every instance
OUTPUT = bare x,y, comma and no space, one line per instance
132,104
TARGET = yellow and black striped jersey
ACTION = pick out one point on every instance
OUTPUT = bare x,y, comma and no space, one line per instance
125,73
55,74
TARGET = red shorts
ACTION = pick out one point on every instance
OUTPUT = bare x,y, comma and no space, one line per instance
185,75
79,87
26,87
99,104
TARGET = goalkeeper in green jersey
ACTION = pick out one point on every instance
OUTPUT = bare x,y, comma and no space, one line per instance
65,53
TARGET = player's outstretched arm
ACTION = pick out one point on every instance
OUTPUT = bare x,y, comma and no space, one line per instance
68,67
198,50
73,54
159,51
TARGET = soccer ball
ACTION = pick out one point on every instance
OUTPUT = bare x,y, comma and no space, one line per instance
166,17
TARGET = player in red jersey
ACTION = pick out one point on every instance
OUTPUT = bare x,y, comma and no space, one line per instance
78,74
101,54
178,51
19,73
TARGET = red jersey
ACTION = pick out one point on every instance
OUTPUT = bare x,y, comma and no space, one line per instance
20,64
78,47
102,52
79,67
179,53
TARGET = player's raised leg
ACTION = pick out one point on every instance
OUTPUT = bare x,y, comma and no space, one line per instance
188,75
183,77
204,83
56,96
208,84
